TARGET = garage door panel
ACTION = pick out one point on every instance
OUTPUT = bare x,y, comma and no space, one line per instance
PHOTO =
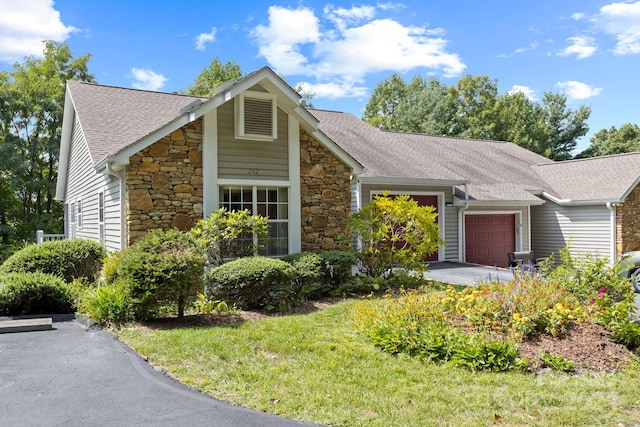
488,238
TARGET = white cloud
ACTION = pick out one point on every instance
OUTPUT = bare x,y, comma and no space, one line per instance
526,90
621,20
342,18
147,79
25,24
347,45
581,46
280,42
578,16
335,89
203,39
578,90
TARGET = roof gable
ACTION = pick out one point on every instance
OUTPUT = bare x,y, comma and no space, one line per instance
112,118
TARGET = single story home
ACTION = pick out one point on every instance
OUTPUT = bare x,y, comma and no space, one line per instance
132,161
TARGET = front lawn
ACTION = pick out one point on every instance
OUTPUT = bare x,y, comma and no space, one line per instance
315,367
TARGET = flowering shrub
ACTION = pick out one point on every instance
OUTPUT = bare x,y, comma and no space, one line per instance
523,306
418,325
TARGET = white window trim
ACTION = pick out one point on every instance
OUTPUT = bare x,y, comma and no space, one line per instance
240,115
79,213
101,224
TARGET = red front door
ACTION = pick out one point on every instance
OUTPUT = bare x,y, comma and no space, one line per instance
489,237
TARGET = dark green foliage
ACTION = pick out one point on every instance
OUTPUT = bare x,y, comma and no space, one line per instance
338,266
34,293
308,282
107,305
556,362
161,269
69,259
251,282
586,277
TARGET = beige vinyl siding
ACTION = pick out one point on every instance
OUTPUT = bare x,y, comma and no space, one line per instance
251,159
586,228
84,184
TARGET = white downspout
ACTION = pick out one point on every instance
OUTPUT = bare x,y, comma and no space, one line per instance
612,223
461,251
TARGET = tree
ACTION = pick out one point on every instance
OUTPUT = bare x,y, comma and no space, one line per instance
394,232
32,97
216,75
474,108
614,141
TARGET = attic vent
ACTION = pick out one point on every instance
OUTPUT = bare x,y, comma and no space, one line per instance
256,116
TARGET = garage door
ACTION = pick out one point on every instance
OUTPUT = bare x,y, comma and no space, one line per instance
427,201
488,238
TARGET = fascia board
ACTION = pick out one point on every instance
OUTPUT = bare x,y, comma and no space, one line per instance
410,181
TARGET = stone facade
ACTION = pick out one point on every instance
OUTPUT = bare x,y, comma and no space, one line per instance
325,197
628,223
164,183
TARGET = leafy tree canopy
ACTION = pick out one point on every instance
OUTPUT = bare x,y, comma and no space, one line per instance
474,108
31,99
214,76
614,141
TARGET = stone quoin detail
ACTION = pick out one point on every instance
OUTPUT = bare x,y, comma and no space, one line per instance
628,223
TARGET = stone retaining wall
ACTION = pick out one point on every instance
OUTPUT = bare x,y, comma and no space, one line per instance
325,197
164,183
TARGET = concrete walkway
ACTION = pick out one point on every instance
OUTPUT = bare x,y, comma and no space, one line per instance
456,273
75,376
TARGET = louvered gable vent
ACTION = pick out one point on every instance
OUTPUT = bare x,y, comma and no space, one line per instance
258,117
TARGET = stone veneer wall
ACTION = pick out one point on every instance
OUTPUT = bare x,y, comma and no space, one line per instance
164,183
325,197
628,223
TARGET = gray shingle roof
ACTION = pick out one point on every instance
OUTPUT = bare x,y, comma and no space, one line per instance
606,178
495,170
112,118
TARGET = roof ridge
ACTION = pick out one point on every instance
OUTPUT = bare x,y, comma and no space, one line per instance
137,89
458,138
586,159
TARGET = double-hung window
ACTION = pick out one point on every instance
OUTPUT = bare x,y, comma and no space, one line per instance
270,202
79,216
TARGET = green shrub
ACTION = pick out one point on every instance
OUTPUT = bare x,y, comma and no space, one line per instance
308,282
107,305
618,318
110,267
251,282
338,267
69,259
34,293
416,325
162,269
585,277
394,232
556,362
229,235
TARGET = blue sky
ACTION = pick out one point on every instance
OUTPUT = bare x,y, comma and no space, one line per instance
588,49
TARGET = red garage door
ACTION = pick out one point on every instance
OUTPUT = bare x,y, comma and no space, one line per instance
488,238
427,201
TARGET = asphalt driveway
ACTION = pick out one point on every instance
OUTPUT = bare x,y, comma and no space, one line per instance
76,376
457,273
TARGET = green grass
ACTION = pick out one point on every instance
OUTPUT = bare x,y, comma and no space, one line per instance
315,368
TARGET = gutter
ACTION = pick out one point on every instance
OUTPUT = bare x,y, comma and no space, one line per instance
570,202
